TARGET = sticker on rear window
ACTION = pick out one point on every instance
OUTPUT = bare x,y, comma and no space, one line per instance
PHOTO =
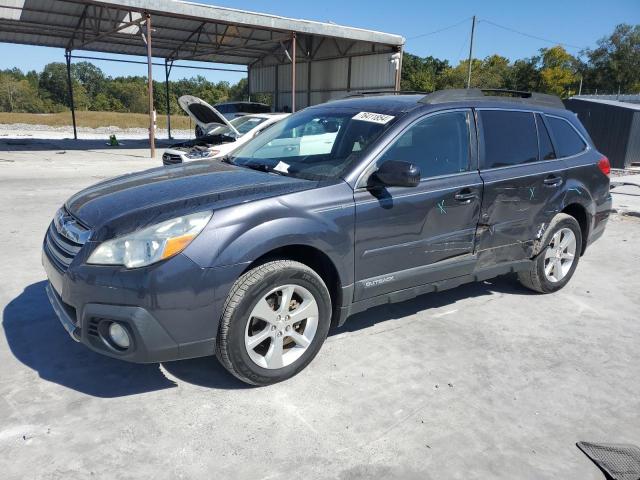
373,117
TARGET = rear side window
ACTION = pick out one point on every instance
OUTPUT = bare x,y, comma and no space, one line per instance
567,140
510,138
546,147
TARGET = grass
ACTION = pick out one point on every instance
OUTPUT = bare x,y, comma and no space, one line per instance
95,119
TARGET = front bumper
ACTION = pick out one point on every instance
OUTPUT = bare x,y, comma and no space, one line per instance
173,157
171,310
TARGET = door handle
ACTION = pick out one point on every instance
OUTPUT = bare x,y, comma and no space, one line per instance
552,181
465,196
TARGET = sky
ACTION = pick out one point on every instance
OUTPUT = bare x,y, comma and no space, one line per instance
574,23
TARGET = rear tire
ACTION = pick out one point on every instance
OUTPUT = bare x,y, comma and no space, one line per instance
556,263
274,321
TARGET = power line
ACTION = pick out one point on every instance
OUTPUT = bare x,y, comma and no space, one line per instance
513,30
440,29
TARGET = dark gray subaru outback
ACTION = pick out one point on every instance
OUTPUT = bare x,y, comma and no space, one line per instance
338,208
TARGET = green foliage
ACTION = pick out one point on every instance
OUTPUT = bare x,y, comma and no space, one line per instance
615,63
421,74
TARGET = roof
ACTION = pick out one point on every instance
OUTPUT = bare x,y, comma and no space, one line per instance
181,30
377,103
402,102
614,103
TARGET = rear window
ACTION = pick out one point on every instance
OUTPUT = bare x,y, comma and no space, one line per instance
567,140
510,138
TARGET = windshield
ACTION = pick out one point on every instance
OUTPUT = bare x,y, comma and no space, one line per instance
319,144
242,124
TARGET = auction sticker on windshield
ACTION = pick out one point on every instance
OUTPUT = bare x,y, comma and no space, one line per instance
373,117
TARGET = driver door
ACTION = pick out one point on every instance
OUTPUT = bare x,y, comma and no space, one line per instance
410,236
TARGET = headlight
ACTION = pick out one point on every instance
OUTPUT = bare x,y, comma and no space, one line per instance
202,153
151,244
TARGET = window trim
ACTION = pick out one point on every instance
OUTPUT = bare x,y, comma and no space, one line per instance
554,141
546,128
361,182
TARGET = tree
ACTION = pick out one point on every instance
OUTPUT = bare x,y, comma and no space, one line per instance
53,83
90,77
492,72
18,95
421,74
239,91
557,71
615,63
525,74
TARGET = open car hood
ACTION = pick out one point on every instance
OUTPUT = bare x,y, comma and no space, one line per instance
203,114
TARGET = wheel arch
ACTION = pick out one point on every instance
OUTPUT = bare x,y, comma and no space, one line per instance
315,259
580,213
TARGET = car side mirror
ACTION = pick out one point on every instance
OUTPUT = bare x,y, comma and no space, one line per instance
395,173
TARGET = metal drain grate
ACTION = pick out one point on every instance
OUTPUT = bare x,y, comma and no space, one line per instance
618,462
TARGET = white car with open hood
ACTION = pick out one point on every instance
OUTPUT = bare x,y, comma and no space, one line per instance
221,136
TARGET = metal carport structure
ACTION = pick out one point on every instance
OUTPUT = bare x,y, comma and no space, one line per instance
298,62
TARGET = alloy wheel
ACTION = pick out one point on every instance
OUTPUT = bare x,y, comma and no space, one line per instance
560,255
281,326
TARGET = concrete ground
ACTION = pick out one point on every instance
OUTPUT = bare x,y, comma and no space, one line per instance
484,381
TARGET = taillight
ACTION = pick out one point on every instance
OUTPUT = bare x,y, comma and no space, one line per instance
604,165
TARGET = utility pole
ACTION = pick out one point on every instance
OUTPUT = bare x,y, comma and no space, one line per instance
67,56
293,71
473,28
152,132
580,87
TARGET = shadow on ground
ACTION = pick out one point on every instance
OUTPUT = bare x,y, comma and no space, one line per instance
507,284
37,339
44,144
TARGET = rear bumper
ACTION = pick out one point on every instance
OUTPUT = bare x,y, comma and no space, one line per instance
171,310
600,219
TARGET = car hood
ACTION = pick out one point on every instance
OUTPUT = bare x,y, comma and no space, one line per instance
203,114
123,204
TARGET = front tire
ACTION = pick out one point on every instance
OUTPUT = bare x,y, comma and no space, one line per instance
274,322
556,263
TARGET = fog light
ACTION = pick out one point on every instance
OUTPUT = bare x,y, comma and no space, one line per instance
119,335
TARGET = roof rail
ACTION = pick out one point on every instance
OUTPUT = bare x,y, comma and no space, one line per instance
516,96
384,92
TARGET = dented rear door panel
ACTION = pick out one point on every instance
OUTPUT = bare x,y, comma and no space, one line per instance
518,204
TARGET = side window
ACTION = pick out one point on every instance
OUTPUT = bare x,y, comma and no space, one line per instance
544,141
439,145
510,138
568,142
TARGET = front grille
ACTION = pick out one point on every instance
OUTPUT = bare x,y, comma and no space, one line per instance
171,159
60,249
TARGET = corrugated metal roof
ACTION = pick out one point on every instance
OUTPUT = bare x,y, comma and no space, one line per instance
181,31
615,103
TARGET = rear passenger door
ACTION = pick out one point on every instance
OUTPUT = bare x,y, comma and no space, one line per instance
522,183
